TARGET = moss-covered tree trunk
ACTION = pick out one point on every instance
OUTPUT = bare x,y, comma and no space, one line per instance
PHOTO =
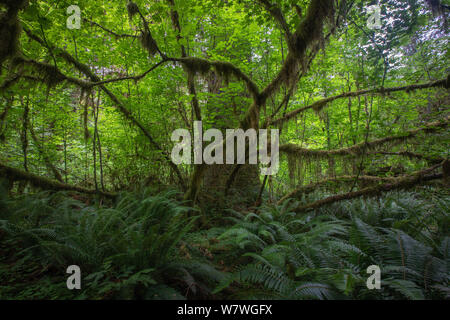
225,181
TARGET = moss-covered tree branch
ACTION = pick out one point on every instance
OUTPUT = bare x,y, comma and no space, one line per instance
320,104
83,68
307,34
400,183
358,149
297,193
14,174
277,14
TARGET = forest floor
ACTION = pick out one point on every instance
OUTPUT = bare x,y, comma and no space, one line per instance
147,246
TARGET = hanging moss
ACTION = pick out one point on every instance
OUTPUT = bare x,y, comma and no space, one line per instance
442,83
9,82
49,74
224,70
45,183
9,37
24,135
292,167
319,106
132,9
299,192
146,38
310,30
399,183
10,29
363,147
227,69
288,76
196,65
87,134
45,73
3,122
148,42
85,69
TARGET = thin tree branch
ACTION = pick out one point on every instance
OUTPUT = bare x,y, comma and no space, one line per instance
340,179
117,35
135,78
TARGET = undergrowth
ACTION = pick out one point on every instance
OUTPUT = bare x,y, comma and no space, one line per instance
148,246
129,250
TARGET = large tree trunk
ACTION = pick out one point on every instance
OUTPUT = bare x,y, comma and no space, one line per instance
222,181
243,187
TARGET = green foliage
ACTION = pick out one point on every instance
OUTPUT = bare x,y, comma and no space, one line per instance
102,101
146,247
324,257
123,251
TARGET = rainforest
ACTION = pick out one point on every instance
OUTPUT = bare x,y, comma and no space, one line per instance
353,97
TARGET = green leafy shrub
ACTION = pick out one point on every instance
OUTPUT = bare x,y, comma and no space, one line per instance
318,255
125,251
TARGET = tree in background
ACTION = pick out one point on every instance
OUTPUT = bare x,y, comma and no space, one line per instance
100,102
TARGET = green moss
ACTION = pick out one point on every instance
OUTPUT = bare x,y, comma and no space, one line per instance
196,65
360,148
9,36
132,9
149,43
